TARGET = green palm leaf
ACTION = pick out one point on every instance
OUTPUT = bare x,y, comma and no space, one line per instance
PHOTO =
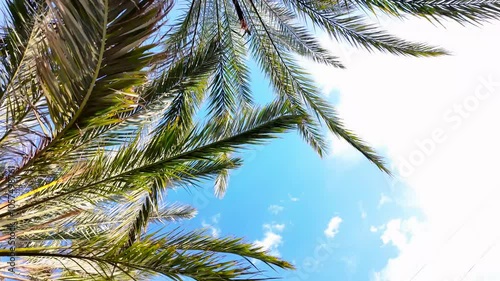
104,109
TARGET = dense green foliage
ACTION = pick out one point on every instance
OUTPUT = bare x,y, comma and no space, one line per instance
98,107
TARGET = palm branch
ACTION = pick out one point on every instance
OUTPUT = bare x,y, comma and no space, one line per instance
97,126
274,33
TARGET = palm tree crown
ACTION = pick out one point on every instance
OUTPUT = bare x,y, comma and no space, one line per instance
274,33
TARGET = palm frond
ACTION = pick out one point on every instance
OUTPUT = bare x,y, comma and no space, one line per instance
173,255
469,11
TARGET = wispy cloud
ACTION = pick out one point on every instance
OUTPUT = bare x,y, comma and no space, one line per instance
275,227
384,199
293,199
275,209
272,239
362,210
333,227
212,225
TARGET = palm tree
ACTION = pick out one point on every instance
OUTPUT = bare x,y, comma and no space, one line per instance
94,131
98,117
274,33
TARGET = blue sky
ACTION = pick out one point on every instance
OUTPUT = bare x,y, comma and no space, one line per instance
285,196
435,120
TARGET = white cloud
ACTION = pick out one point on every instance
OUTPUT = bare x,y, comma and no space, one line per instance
373,229
333,227
214,231
212,226
398,232
384,199
272,240
293,199
275,209
435,121
394,235
278,227
362,210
